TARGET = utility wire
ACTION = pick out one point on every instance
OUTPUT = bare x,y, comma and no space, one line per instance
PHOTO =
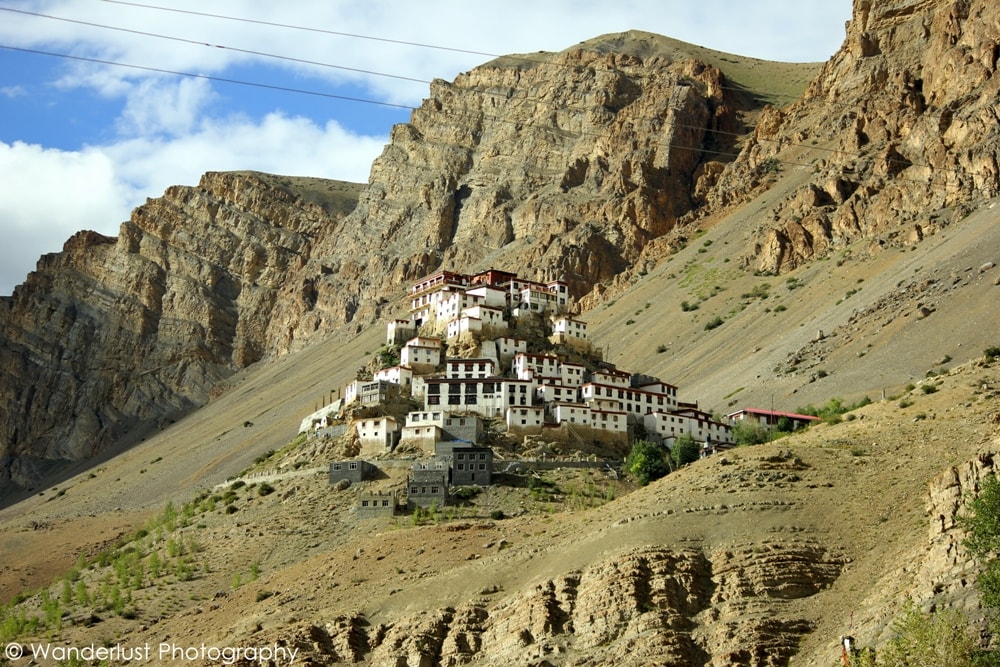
387,40
207,77
545,128
213,46
199,43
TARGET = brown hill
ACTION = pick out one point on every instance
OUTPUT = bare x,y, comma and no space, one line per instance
569,163
764,557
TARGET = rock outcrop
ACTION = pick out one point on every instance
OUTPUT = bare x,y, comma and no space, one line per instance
899,131
561,166
646,606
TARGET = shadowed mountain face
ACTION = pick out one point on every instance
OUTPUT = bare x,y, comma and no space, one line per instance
124,334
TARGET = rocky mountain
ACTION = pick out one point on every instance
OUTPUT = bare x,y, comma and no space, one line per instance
899,129
569,163
117,337
847,250
590,165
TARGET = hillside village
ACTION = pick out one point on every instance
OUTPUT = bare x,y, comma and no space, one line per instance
492,361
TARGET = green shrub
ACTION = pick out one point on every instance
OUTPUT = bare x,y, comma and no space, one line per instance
685,450
265,489
647,462
749,432
941,637
466,493
714,323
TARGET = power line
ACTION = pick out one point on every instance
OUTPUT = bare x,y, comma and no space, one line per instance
263,54
208,77
214,46
302,91
304,28
387,40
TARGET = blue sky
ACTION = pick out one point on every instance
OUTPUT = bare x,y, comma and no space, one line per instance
82,143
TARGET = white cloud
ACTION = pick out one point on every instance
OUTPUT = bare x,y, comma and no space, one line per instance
159,106
47,196
50,194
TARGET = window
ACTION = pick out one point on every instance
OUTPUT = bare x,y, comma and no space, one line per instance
434,490
413,490
338,466
353,465
482,466
459,466
364,503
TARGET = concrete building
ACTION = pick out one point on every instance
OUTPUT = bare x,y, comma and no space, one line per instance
770,418
472,465
372,505
525,418
569,331
397,332
468,369
377,435
354,471
401,375
422,354
428,483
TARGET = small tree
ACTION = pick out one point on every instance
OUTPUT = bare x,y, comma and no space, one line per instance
685,450
982,524
647,462
749,432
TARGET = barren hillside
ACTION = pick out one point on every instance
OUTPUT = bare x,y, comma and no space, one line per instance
848,251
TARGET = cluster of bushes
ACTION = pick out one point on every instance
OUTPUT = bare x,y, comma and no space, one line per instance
157,554
648,461
833,410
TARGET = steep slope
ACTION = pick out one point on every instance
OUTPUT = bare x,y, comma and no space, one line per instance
124,334
567,163
758,557
900,130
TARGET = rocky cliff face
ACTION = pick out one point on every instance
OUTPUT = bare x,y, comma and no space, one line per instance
574,165
114,333
646,606
899,131
563,166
